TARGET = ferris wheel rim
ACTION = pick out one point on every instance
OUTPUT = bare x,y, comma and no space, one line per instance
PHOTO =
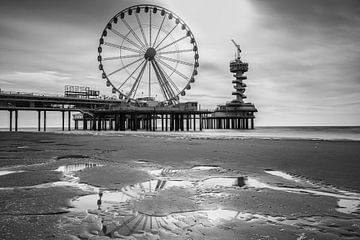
160,59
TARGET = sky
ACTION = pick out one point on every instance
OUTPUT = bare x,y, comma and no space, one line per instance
304,56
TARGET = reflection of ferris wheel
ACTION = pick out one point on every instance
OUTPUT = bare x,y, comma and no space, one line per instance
147,52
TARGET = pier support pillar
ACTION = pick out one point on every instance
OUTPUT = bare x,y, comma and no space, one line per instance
155,122
84,123
187,122
11,120
252,123
171,122
162,122
99,123
177,121
194,122
122,122
200,122
63,120
116,122
16,120
166,122
94,123
39,120
69,120
44,121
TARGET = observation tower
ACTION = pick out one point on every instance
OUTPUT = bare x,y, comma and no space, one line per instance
236,114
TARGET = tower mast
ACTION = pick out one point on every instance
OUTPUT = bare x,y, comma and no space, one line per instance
239,68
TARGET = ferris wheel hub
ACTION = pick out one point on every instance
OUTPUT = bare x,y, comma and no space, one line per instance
150,54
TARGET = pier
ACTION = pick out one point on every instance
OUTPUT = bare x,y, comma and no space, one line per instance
103,114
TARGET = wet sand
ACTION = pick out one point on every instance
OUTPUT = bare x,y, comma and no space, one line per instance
37,202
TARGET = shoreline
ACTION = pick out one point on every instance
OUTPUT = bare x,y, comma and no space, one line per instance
205,134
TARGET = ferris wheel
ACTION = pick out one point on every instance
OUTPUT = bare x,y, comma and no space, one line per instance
147,52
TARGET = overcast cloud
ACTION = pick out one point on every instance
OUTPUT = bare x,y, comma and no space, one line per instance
304,56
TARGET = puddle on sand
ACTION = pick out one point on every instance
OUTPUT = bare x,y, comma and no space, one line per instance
348,202
163,171
6,172
204,168
109,199
117,209
70,168
224,182
282,175
169,171
348,206
70,180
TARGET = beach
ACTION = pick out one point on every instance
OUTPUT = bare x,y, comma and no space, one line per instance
177,186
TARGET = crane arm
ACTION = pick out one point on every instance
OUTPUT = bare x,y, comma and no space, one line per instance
237,47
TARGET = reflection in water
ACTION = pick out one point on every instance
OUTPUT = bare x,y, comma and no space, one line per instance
128,193
120,217
67,169
6,172
224,182
205,168
282,175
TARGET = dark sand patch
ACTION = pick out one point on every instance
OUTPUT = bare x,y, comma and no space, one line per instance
36,200
33,213
29,178
112,176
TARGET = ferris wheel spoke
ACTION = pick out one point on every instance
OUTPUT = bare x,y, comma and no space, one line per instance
176,61
123,67
178,40
133,32
122,47
141,28
166,84
125,38
157,35
166,36
121,57
175,51
159,80
165,91
137,82
131,74
150,28
168,78
174,70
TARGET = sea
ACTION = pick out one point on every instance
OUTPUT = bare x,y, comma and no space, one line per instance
330,133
